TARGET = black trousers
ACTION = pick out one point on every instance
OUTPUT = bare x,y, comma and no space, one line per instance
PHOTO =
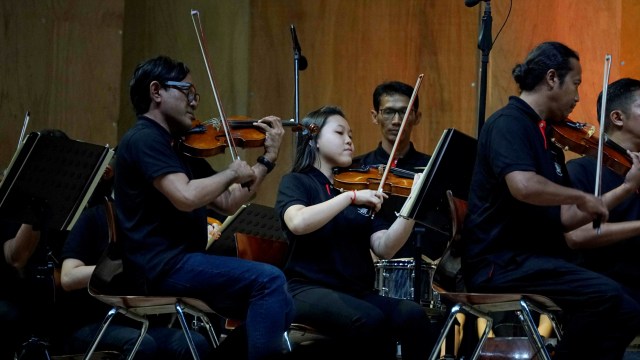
367,326
599,318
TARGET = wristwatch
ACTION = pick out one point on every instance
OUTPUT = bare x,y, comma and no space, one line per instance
268,164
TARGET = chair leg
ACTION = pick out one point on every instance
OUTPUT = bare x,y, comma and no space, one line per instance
105,323
487,329
435,353
532,330
215,341
287,342
180,310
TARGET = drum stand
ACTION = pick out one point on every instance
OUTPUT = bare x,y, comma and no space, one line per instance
417,263
417,284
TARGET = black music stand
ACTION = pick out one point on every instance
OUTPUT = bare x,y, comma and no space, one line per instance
50,180
48,183
251,219
450,168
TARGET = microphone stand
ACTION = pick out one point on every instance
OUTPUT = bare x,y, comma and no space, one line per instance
485,43
299,64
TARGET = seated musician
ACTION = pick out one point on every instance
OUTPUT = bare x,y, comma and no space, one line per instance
614,250
390,102
330,271
161,206
521,204
84,246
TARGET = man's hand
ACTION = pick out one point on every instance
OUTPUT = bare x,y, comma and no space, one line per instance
243,173
272,127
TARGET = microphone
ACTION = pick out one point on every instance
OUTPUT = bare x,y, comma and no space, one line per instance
302,64
472,3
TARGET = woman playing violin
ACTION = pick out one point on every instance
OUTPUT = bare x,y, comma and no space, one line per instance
615,251
330,271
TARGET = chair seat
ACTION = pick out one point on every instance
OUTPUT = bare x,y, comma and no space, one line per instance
481,305
145,305
493,302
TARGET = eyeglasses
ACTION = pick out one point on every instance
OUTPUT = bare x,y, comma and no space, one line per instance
389,113
186,88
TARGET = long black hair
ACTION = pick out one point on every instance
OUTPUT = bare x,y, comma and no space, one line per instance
307,148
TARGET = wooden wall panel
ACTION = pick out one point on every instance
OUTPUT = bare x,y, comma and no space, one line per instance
352,46
155,28
70,62
630,42
591,27
60,60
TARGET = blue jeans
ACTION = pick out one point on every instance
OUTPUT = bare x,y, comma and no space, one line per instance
158,343
238,289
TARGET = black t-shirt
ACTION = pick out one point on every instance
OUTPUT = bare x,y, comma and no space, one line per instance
154,233
498,227
618,261
338,254
415,162
86,242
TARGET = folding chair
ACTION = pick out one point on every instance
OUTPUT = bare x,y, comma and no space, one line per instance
481,305
139,307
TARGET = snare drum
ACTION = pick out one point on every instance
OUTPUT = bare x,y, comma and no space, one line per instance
396,278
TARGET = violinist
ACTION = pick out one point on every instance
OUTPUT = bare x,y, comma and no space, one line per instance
161,203
521,204
87,241
613,252
390,102
330,271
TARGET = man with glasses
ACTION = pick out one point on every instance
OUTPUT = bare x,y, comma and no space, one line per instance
161,198
390,103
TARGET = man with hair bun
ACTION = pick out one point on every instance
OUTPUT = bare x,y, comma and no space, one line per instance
521,203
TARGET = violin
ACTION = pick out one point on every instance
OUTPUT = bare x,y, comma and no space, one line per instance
398,181
208,138
579,138
383,176
211,137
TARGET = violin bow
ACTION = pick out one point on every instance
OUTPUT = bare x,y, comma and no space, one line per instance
24,128
603,103
395,144
195,16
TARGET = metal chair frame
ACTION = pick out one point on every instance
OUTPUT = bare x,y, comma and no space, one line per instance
138,307
481,305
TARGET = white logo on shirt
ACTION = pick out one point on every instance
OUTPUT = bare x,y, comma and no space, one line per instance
558,169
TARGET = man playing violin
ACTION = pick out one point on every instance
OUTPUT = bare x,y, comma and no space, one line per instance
521,204
390,102
613,252
161,203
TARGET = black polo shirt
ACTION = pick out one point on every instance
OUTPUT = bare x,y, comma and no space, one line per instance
338,254
499,227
